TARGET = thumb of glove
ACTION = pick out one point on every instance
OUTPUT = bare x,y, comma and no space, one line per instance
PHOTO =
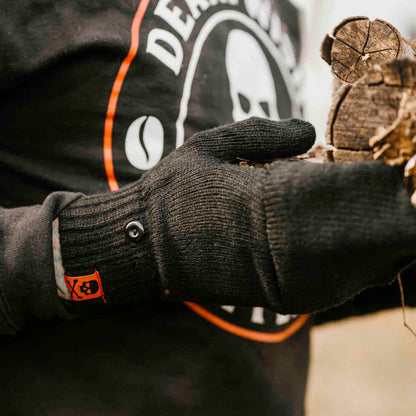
256,139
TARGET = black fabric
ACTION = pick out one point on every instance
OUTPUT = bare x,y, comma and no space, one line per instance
93,237
59,62
374,299
27,277
336,229
205,230
153,359
332,230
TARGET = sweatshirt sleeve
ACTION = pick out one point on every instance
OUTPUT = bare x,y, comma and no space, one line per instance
337,229
27,279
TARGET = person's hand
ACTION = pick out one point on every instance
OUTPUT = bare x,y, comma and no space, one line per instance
203,218
294,238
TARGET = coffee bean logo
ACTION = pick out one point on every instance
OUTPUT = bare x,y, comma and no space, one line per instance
144,142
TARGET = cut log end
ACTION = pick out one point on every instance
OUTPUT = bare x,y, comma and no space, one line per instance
358,44
373,114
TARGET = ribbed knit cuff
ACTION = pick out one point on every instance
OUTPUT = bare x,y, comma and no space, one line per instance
336,229
93,237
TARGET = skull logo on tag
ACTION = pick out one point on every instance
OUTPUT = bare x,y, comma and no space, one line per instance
89,287
251,82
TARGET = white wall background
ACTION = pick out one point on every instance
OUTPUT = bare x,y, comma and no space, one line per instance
320,17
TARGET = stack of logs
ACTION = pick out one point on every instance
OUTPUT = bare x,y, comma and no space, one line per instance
373,114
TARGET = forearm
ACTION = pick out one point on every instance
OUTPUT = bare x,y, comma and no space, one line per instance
335,230
27,278
295,238
332,231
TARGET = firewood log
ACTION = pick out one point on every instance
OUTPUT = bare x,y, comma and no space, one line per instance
360,111
358,44
373,114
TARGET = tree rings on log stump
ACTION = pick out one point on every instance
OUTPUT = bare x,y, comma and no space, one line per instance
364,109
358,44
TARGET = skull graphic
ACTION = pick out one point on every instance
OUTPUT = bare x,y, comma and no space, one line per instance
89,287
252,87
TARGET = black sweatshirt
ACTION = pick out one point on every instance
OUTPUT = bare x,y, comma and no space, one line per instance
80,82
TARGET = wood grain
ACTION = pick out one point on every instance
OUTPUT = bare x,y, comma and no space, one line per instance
358,44
372,103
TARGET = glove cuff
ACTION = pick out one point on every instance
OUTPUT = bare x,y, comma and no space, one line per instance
336,229
96,236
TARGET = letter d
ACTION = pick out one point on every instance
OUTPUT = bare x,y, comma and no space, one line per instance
171,60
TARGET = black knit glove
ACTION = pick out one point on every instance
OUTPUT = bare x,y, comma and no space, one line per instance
295,238
203,218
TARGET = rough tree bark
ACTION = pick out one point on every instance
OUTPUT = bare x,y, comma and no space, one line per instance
373,68
365,109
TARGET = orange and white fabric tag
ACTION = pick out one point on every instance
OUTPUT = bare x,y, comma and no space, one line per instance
85,287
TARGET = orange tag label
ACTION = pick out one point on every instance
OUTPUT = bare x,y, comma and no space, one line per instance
85,287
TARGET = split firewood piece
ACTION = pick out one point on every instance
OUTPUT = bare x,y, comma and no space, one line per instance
315,155
361,109
344,155
358,44
253,164
396,144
